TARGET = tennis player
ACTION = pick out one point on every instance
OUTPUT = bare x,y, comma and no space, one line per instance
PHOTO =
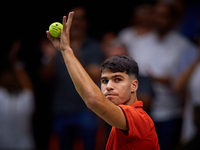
116,102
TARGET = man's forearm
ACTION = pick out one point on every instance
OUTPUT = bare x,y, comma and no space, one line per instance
84,85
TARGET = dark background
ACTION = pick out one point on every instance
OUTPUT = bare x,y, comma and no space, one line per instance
30,19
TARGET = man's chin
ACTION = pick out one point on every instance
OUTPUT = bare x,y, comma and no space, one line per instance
114,100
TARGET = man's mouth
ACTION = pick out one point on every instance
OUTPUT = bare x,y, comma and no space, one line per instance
110,95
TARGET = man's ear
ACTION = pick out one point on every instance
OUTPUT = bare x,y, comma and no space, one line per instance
134,85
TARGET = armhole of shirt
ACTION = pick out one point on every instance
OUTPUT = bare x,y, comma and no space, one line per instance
125,132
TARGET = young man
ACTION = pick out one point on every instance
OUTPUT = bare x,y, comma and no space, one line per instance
117,103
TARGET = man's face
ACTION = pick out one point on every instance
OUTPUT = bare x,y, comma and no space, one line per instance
117,87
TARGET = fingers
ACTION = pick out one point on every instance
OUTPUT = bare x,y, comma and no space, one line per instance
69,20
67,24
64,24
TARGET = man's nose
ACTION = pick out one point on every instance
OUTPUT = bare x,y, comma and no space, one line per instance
109,86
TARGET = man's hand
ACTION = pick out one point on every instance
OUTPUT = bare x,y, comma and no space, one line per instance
62,43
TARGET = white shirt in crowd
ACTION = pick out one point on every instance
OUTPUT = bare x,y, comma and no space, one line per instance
15,120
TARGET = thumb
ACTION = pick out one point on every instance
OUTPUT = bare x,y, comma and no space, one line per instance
49,36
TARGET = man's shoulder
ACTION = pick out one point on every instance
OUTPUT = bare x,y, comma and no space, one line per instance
135,105
135,112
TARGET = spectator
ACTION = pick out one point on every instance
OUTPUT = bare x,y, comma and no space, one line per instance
72,119
138,37
47,59
16,105
111,46
188,82
166,108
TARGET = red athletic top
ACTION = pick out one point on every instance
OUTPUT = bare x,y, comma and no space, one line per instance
141,134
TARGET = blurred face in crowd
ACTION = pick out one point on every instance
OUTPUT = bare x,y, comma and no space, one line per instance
79,23
111,47
116,50
163,20
143,16
9,81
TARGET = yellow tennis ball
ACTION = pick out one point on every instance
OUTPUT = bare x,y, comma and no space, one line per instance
55,29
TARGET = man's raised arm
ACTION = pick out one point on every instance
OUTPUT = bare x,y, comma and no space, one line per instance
87,89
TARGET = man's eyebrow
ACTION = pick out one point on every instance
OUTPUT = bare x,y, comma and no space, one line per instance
117,75
103,78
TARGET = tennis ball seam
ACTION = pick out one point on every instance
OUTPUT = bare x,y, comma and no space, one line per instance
55,29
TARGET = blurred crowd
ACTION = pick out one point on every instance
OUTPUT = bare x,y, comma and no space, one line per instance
40,108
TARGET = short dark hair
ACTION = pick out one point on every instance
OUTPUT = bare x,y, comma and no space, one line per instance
121,63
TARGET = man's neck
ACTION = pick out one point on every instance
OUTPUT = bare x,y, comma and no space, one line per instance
132,100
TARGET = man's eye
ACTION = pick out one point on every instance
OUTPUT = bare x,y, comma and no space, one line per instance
104,81
117,79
